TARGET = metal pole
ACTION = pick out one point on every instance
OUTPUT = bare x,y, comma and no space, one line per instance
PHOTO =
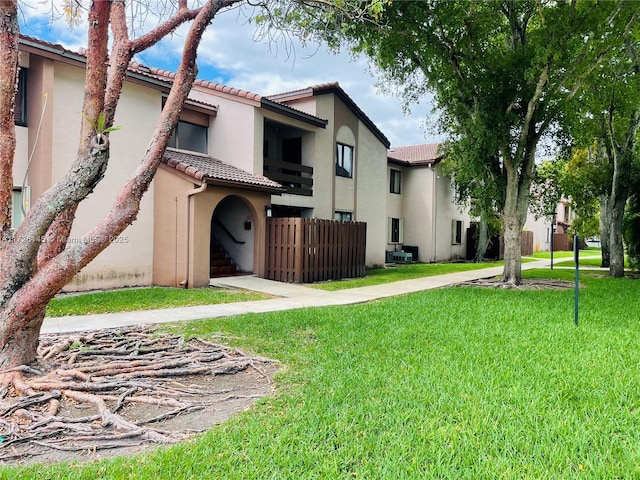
576,256
551,243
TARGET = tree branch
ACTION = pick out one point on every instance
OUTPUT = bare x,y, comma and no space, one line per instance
37,291
86,172
532,104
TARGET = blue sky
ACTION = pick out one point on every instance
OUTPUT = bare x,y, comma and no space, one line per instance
230,55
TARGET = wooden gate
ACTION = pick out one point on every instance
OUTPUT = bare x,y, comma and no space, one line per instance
303,250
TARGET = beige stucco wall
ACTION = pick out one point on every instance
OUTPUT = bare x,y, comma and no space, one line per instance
40,105
395,200
447,210
129,259
540,228
364,193
428,208
182,231
345,188
233,135
21,156
170,249
417,212
324,186
370,197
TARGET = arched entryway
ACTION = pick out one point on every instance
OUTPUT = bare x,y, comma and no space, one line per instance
232,237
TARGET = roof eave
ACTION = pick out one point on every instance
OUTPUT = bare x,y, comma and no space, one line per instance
419,163
337,90
296,114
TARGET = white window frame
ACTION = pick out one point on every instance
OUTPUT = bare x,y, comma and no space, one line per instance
390,230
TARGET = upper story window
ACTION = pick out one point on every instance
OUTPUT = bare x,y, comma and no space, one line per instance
20,112
395,181
192,131
189,136
344,160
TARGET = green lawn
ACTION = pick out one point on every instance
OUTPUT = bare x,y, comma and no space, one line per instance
588,252
377,276
455,383
158,297
126,300
584,262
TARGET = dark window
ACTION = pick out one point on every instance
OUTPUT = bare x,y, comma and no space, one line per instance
344,160
20,112
395,230
395,181
456,232
292,150
343,216
189,136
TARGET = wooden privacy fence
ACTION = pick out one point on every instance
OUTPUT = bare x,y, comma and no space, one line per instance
303,250
526,246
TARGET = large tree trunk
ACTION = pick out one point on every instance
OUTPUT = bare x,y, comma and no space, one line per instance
616,243
514,212
33,275
605,230
623,159
512,234
20,348
9,35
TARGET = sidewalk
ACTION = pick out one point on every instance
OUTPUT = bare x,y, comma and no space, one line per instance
289,296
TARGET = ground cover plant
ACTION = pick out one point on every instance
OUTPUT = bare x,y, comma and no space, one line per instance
459,382
130,299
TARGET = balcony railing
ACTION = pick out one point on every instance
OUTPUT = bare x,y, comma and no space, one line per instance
295,178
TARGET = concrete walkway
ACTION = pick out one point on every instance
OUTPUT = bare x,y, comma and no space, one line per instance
289,296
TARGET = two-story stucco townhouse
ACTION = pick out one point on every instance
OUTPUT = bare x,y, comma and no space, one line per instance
236,158
423,217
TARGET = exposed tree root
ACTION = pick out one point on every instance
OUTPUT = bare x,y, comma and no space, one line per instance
526,284
104,373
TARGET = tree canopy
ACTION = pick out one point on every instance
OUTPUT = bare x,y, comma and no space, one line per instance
502,72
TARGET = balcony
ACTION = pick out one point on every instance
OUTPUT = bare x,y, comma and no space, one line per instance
295,178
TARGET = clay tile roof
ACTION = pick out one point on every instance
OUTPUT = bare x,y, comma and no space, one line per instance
169,76
54,48
209,169
425,154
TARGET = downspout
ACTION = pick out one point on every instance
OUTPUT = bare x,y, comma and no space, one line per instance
190,193
434,214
